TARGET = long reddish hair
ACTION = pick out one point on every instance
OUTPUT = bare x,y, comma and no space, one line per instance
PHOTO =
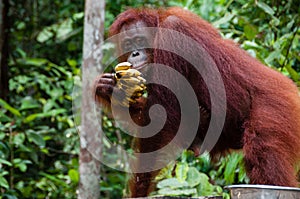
263,106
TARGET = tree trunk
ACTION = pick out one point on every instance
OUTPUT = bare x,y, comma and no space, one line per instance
3,48
90,135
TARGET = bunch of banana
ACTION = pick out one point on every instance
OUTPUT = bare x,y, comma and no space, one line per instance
130,81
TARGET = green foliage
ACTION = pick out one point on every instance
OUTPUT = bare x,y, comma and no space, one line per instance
38,137
199,176
188,178
38,140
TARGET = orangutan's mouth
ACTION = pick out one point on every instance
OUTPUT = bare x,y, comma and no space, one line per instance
140,66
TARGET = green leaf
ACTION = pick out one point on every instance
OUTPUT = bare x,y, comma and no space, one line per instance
29,103
272,56
3,182
184,156
45,35
74,175
31,117
56,92
181,171
227,17
6,106
72,62
242,174
267,9
223,20
166,172
172,192
2,161
204,161
4,150
21,26
51,113
231,167
250,31
275,21
188,4
34,61
34,157
56,112
193,177
8,196
294,75
78,16
64,29
21,164
205,188
4,118
172,183
53,178
49,104
2,135
19,139
36,138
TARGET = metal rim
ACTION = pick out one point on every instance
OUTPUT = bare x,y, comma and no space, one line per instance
262,187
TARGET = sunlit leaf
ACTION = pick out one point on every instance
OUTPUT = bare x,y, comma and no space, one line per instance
78,15
204,188
225,19
31,117
41,115
250,31
34,61
265,8
231,167
193,177
172,183
181,192
46,34
29,103
2,161
72,62
294,75
18,139
181,171
3,182
53,178
74,175
272,56
6,106
64,29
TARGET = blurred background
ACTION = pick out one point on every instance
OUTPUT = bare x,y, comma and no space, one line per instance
41,55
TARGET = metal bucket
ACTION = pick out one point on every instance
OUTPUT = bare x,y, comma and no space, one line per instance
263,192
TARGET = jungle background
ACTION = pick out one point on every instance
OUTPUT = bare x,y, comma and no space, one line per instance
39,142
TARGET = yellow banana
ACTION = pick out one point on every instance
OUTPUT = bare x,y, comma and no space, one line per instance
132,89
130,86
131,82
126,101
128,73
137,95
123,66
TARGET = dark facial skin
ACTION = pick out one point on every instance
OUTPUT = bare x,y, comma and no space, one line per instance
132,44
134,41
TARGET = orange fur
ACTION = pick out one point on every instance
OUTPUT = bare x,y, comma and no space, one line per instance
263,107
